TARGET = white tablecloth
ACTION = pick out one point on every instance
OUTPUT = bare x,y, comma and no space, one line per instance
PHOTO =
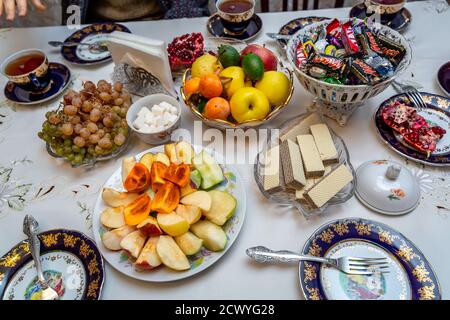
70,203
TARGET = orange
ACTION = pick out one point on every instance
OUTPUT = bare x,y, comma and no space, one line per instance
217,108
211,86
192,86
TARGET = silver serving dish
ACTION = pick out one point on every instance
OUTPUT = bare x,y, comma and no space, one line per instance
286,196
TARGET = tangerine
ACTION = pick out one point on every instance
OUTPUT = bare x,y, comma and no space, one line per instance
192,86
211,86
217,108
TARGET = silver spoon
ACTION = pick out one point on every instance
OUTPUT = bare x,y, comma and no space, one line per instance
30,226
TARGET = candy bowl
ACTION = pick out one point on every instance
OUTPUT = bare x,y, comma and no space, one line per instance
211,46
285,195
339,101
159,135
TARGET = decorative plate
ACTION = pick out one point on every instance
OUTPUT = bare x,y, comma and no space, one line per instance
410,275
296,24
200,261
437,113
443,78
97,32
398,21
60,79
215,27
72,265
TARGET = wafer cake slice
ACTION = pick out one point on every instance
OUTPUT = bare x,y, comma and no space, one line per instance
292,164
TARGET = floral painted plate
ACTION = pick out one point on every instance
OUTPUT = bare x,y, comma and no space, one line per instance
95,33
294,25
437,113
72,265
410,275
200,261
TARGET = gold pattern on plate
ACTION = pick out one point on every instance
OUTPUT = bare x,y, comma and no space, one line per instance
92,289
2,276
93,267
406,252
310,272
313,293
84,249
426,292
327,236
314,249
70,240
384,236
340,228
50,239
363,229
421,273
11,259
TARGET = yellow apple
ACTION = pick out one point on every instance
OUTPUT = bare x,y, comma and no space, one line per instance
234,79
205,64
249,104
172,224
275,85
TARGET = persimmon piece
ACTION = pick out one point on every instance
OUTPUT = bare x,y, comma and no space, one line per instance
178,174
157,174
138,210
138,179
167,198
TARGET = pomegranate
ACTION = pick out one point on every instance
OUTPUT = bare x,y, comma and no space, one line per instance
412,126
183,50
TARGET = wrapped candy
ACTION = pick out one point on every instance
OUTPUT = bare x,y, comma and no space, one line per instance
382,66
300,55
332,65
348,38
365,73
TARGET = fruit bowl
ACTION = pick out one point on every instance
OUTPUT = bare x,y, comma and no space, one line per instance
339,101
286,196
211,45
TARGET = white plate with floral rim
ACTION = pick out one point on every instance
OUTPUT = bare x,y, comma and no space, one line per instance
200,261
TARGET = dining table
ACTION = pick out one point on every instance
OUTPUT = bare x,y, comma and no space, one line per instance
59,196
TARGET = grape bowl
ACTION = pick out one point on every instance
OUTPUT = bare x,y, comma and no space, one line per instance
89,125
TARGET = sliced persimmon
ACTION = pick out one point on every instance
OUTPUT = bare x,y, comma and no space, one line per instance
138,179
138,210
167,198
178,174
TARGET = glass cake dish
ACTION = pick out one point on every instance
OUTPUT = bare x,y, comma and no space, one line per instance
286,195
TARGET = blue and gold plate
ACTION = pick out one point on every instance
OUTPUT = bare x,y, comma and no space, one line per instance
410,276
296,24
94,33
436,113
72,265
60,79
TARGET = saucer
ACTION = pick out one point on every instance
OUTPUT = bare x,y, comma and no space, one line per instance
443,77
60,79
400,20
296,24
215,27
93,33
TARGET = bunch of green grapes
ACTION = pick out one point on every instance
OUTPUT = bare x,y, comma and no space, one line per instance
88,123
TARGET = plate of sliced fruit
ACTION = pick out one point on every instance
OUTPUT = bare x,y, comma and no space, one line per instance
169,213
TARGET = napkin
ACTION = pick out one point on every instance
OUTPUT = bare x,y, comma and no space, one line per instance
141,64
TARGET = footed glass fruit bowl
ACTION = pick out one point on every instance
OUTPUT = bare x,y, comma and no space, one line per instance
211,46
286,196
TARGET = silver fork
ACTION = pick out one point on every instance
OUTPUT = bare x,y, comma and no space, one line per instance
412,94
30,226
349,265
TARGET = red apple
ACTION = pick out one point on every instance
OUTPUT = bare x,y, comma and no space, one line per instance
268,57
150,227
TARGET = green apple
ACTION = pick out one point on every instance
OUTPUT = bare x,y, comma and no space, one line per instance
275,85
249,104
172,224
189,243
213,236
196,178
209,169
200,199
222,207
234,79
171,255
189,212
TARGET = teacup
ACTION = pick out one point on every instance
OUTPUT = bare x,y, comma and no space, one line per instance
28,69
384,7
235,15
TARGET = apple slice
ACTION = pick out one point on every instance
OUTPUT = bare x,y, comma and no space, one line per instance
172,224
201,199
148,258
222,207
171,255
213,236
196,178
187,189
127,164
184,152
150,227
114,198
171,153
209,169
189,212
147,160
161,157
133,243
112,239
189,243
112,218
